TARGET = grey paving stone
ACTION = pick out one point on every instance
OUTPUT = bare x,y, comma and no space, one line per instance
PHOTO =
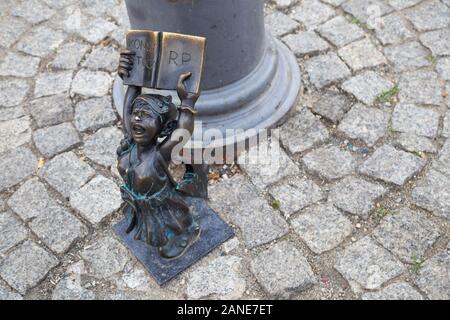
34,11
12,28
365,264
407,56
332,106
415,120
31,199
322,227
96,8
66,173
93,114
407,234
57,228
52,110
11,113
305,43
238,200
443,68
429,15
96,30
12,231
136,277
340,31
220,278
119,35
433,194
303,131
285,3
446,128
365,123
326,69
91,83
361,54
442,162
420,87
367,86
356,196
231,245
312,13
18,65
51,83
58,4
295,194
16,164
297,274
120,14
392,165
69,55
2,203
70,19
71,289
13,92
433,278
97,199
402,4
5,7
447,100
437,41
329,162
267,164
41,41
53,140
335,3
14,133
101,146
366,10
105,257
396,291
392,29
259,228
8,294
26,266
103,58
414,143
280,24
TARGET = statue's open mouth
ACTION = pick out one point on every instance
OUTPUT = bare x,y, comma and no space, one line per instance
137,129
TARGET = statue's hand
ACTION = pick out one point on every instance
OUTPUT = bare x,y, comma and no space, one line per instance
125,63
185,96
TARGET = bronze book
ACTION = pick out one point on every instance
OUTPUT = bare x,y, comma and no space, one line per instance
161,57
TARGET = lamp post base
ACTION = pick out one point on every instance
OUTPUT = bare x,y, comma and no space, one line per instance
261,100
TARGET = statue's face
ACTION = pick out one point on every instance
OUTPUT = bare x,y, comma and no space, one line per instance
144,126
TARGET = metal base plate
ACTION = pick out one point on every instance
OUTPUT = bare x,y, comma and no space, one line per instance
214,232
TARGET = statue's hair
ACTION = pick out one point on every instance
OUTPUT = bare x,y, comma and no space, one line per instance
162,108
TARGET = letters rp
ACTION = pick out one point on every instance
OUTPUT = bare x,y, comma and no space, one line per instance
177,59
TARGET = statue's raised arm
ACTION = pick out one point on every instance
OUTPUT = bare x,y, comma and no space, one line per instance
185,119
125,66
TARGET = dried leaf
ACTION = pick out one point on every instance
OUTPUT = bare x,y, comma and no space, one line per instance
40,163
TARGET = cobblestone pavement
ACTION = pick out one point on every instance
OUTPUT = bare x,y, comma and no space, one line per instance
359,210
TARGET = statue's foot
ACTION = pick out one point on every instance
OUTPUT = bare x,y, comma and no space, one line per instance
178,245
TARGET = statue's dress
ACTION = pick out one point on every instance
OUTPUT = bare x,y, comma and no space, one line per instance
159,212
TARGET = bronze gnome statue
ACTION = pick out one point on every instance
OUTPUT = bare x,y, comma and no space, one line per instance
155,208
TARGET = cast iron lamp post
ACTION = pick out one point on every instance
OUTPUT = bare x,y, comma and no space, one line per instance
250,81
